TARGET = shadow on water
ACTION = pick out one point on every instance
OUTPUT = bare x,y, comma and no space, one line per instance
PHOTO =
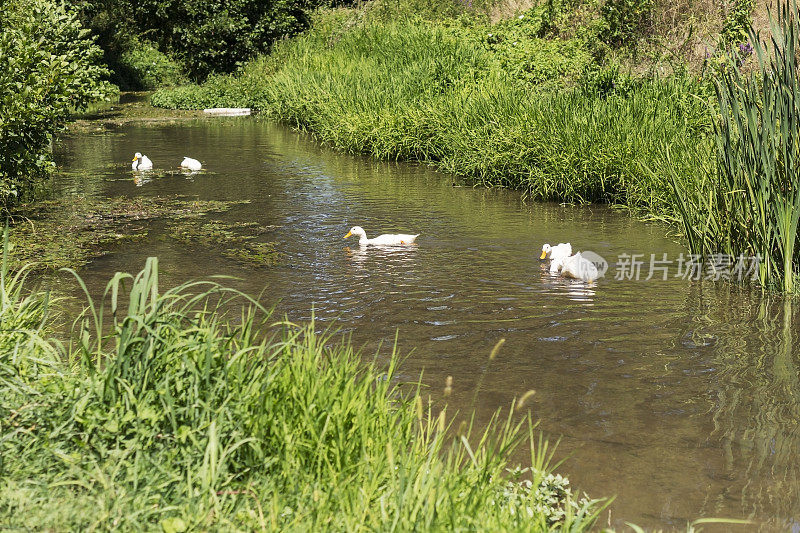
679,397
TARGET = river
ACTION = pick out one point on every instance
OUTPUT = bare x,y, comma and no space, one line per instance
680,397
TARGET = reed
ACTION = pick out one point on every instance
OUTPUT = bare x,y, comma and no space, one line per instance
193,408
751,204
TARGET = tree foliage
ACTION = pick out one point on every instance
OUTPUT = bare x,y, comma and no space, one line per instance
219,35
207,36
48,66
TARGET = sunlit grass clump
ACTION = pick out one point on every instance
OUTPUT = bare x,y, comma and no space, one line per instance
408,88
168,410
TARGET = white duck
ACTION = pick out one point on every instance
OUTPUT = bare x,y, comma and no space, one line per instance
556,253
576,267
388,239
191,164
141,162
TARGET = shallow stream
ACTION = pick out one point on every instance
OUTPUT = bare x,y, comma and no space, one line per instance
679,397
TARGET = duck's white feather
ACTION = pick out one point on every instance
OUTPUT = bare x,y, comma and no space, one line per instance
141,162
387,239
191,164
577,267
391,239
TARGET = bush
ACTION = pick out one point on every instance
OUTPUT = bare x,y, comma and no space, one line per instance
519,47
184,97
737,23
48,66
205,36
624,19
143,66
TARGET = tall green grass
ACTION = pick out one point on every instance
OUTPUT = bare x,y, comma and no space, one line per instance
192,408
411,89
751,205
23,317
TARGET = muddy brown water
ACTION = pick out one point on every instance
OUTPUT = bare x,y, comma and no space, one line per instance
679,397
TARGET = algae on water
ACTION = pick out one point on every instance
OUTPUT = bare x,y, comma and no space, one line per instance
234,243
71,231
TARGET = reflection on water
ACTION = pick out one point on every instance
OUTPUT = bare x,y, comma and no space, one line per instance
575,290
756,411
680,398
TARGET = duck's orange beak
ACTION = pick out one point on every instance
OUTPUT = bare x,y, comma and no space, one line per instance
544,255
348,234
134,159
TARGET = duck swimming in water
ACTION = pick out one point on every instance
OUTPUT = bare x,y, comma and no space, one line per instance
141,162
388,239
191,164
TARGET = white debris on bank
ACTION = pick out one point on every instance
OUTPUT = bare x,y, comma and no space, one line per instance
228,111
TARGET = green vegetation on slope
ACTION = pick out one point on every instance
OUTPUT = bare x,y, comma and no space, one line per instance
174,409
446,94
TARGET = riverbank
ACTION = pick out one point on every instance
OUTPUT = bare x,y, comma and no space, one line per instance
453,95
127,108
164,412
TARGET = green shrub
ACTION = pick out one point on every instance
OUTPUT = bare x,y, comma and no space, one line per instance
733,42
184,97
624,19
554,63
737,22
48,66
143,66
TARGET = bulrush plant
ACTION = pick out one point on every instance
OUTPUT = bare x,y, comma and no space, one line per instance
172,409
751,205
